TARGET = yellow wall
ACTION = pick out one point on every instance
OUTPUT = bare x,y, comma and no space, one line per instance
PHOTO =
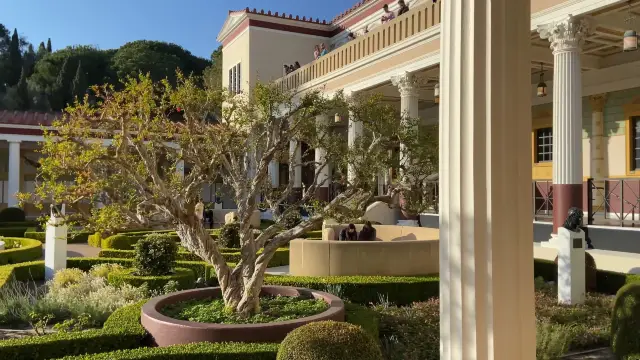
270,49
236,52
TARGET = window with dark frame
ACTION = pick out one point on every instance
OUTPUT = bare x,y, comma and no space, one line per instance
635,163
235,79
544,145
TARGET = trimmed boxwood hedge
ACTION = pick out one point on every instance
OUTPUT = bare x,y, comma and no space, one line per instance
30,250
199,351
280,258
126,240
121,331
185,278
13,231
399,290
72,238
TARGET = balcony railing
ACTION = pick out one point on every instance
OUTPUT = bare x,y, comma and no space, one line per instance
405,26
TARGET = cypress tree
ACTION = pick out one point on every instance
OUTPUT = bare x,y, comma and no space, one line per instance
42,51
49,45
23,91
29,60
79,84
14,63
60,93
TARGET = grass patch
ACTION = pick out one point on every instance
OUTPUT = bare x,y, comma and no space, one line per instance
272,309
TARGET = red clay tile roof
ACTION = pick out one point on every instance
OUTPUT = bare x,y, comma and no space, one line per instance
30,118
279,15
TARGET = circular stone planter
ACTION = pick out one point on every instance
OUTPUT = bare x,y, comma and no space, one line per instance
166,331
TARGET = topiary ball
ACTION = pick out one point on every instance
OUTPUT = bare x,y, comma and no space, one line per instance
625,321
329,340
12,214
590,272
229,236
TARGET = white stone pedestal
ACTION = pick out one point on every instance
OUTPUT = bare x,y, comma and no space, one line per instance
552,243
217,206
55,251
1,245
571,269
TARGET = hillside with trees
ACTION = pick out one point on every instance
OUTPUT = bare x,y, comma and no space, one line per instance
46,80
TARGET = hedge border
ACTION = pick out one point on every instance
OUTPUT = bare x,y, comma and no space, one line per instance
73,237
183,276
30,250
122,330
280,257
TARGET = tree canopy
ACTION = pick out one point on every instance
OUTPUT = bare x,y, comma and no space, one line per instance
43,68
124,152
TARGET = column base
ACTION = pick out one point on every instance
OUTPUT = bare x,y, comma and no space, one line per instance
565,196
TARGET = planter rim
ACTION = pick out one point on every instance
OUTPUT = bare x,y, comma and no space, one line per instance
151,309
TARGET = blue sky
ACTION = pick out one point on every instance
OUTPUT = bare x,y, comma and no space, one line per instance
193,24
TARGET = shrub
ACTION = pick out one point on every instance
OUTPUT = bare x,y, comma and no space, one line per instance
72,238
93,296
155,255
364,317
12,214
119,242
103,270
35,235
184,277
625,322
29,250
17,232
121,331
229,236
590,272
183,255
95,240
199,351
364,290
66,277
552,341
329,340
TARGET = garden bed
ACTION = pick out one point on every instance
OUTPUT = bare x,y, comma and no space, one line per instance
185,279
167,331
20,250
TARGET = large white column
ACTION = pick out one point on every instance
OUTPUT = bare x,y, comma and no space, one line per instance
408,86
294,148
320,158
354,132
598,170
486,258
274,173
566,37
14,173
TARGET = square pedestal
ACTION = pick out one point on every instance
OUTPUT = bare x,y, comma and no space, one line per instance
55,250
571,269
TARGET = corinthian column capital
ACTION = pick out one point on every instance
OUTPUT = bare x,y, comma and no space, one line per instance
597,102
407,83
567,34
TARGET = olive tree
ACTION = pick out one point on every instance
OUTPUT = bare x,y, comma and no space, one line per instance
122,154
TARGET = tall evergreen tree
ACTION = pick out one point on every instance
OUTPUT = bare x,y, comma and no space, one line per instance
49,45
14,60
29,60
60,93
79,85
42,51
23,91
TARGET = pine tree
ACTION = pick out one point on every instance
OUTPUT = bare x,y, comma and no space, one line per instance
29,60
42,51
49,45
79,84
23,91
14,60
60,93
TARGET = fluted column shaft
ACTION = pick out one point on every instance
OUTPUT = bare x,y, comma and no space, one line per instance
486,269
566,37
598,170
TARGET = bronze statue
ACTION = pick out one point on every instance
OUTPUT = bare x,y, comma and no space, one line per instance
574,220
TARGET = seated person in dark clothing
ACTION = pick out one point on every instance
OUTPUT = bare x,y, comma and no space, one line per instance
349,233
403,7
368,232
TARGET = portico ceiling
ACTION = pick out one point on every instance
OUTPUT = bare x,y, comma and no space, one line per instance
601,49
